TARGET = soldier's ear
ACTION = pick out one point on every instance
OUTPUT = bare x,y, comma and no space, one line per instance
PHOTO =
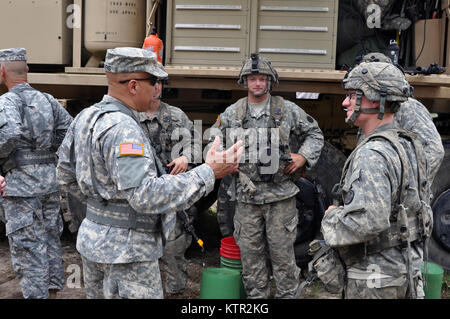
132,84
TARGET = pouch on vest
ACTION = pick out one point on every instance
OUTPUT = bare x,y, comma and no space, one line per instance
330,270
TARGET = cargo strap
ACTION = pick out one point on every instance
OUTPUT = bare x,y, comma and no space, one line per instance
120,214
26,157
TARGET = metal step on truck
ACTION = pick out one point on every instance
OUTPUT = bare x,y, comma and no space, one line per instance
310,43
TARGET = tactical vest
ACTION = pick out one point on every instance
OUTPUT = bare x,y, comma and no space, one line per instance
408,224
31,155
117,213
252,170
162,140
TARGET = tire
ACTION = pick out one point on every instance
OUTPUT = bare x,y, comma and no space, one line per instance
324,175
439,244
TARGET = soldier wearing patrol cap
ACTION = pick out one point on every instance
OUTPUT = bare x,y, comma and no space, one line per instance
168,128
264,189
130,203
36,125
384,216
413,116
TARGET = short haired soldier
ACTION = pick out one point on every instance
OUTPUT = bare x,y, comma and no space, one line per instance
380,229
168,127
130,203
413,116
31,198
281,139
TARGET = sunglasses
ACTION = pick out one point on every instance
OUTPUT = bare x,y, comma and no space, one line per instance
153,80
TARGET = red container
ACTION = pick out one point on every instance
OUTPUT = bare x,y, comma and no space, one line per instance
229,248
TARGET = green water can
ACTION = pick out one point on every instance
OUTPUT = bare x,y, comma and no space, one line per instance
220,283
432,280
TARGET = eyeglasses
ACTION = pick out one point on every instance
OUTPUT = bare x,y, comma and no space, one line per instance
350,95
153,80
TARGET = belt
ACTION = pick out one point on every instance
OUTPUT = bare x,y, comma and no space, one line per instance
121,214
27,157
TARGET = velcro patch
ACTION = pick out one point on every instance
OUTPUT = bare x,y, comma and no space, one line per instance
131,149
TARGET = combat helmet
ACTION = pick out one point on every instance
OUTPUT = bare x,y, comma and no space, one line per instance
257,65
377,81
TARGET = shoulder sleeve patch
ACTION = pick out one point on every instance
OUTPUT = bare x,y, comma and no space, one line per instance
131,149
218,121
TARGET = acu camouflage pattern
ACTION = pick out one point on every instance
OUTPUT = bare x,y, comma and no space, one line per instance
31,203
159,129
34,228
264,67
50,122
414,117
277,223
371,187
13,54
270,212
121,177
371,77
139,280
133,60
301,131
389,20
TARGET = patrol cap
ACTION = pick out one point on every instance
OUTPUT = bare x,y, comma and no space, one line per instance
133,60
13,54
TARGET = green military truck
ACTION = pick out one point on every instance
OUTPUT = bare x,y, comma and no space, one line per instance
308,42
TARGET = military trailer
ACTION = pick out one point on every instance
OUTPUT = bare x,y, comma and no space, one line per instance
204,44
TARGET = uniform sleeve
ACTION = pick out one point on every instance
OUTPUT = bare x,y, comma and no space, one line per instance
10,123
62,121
131,166
65,173
219,128
367,202
308,129
414,117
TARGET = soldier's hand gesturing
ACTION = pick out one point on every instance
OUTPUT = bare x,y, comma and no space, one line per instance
226,162
179,164
297,162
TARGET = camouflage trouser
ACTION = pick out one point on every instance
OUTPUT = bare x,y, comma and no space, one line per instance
34,226
139,280
174,264
359,289
276,225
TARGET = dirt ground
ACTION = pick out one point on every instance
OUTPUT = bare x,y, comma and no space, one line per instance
74,289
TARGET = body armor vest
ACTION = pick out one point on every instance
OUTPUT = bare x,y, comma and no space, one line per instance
411,218
117,213
31,155
254,170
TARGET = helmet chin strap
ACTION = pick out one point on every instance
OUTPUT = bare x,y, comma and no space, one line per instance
357,109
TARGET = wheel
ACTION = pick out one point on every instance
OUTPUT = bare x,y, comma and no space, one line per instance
439,244
316,187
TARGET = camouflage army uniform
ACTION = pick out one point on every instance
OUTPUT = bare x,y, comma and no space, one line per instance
269,212
371,190
414,117
114,165
385,216
31,203
159,129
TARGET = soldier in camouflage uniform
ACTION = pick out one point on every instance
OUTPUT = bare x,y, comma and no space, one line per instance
130,203
413,116
264,190
160,123
31,201
385,216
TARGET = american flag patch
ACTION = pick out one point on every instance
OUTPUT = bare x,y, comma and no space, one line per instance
131,149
